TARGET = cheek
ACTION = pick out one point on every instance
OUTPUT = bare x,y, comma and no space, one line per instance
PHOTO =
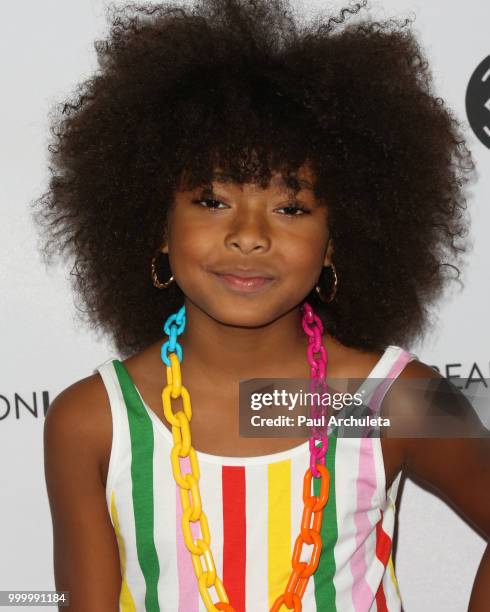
189,250
307,250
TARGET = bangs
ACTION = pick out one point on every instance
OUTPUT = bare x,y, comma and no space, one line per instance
241,123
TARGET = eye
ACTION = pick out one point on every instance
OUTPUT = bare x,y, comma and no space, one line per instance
295,208
206,202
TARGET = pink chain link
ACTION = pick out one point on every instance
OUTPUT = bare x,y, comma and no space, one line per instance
313,327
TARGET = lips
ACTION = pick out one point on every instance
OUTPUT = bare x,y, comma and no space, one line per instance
244,281
252,273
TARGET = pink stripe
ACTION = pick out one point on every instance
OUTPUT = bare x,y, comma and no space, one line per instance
366,485
395,370
188,588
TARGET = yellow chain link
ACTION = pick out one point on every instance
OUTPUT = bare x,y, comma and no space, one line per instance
189,483
192,508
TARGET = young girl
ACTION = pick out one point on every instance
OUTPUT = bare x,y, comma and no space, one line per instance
278,195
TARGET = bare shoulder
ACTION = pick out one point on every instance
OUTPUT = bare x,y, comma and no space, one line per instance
450,456
80,415
77,437
432,405
419,369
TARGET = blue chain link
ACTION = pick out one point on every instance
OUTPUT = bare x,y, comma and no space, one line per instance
172,330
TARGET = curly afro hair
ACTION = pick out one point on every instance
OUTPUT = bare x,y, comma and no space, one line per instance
251,87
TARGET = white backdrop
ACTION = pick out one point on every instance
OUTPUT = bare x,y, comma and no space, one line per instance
46,47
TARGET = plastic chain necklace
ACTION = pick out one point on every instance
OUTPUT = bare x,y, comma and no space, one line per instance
311,520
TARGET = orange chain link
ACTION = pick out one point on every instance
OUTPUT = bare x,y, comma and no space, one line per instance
200,549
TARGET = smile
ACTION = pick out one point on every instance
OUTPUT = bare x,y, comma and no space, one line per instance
242,284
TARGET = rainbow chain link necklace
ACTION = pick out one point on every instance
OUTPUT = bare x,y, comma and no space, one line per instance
188,483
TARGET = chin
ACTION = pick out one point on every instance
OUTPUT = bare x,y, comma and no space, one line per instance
242,320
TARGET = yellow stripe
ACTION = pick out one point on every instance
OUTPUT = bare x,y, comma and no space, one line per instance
126,600
279,527
390,562
393,577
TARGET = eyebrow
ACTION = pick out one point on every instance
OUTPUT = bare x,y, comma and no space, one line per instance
222,177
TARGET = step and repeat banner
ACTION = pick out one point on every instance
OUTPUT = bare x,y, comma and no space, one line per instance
46,48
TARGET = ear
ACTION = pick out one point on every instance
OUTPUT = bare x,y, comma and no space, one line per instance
329,254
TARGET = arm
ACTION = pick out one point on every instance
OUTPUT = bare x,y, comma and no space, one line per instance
86,560
480,595
458,470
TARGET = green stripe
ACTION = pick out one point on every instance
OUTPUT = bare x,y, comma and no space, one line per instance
323,577
141,433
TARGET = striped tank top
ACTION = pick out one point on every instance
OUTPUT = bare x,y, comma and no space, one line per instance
254,507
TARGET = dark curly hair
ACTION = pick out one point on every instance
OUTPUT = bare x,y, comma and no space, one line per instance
250,87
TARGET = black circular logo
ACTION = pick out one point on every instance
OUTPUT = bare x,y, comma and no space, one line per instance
478,102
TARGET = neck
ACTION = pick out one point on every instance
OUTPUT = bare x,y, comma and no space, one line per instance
214,351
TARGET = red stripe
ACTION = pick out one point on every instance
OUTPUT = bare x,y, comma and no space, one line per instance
381,599
234,535
383,550
383,542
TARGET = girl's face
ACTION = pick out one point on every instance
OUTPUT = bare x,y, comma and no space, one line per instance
227,230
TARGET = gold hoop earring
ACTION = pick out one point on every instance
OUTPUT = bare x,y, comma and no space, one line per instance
334,290
154,276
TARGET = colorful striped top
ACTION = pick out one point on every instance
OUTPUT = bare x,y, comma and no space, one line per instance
254,507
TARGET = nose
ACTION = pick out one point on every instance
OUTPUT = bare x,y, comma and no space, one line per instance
249,232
